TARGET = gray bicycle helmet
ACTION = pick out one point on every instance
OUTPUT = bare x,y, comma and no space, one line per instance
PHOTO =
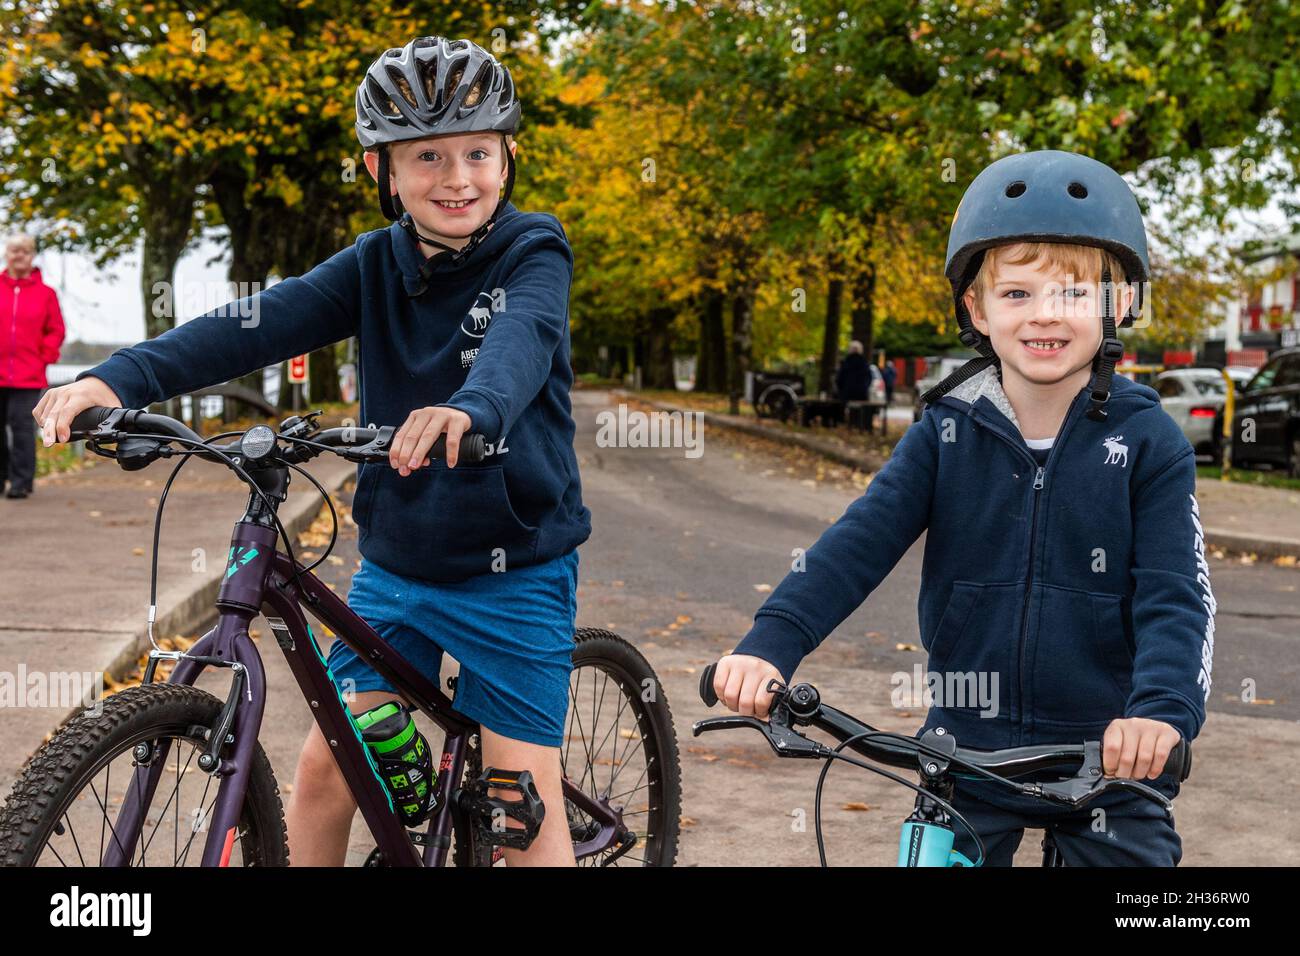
1046,196
435,87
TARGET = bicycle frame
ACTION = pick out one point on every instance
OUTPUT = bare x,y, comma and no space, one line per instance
258,576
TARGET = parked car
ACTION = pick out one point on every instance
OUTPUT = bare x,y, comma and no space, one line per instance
1240,375
937,368
1268,413
1194,398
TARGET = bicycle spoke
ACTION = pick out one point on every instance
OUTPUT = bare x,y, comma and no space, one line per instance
568,740
638,737
75,844
104,810
576,709
180,773
618,720
649,761
203,820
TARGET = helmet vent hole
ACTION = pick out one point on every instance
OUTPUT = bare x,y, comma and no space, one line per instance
1015,189
1077,190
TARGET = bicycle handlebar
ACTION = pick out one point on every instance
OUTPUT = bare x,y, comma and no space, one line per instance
801,705
368,445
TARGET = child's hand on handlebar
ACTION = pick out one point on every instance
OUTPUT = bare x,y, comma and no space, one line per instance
1137,747
415,438
59,406
740,682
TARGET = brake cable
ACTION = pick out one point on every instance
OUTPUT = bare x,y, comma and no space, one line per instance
837,755
334,518
203,449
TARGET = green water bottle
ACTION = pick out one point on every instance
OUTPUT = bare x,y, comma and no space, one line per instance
403,757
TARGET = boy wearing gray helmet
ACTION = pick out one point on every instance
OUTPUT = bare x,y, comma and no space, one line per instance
460,309
1064,565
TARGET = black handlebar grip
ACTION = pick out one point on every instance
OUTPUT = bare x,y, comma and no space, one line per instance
707,693
88,420
473,448
1179,762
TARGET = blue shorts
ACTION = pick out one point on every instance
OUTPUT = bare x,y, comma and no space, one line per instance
511,632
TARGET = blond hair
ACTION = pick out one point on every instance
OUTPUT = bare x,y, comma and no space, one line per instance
1083,263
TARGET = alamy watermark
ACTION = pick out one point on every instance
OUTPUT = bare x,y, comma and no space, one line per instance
637,429
978,689
61,689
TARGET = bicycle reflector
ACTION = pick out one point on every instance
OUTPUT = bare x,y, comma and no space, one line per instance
257,442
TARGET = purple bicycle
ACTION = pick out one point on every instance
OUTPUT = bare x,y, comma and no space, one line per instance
167,774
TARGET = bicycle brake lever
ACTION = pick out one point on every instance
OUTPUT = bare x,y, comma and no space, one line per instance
785,742
1090,782
1141,789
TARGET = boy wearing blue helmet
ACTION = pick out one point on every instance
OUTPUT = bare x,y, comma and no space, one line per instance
1064,559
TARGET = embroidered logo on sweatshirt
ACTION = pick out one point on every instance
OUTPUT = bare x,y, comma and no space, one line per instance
1116,454
475,324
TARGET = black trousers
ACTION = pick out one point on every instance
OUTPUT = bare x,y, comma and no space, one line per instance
1131,832
18,447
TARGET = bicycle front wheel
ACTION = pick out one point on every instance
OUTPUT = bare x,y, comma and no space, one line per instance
65,808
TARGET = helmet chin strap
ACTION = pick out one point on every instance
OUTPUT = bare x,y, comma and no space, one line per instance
392,209
972,339
1111,351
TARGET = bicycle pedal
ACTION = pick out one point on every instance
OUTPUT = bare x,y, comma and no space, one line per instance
490,815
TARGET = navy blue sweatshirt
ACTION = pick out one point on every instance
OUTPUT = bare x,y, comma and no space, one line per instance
489,336
1080,584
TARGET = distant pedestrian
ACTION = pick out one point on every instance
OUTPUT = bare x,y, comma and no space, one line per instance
30,337
890,374
854,376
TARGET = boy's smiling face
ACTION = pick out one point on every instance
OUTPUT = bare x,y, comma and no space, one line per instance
1044,323
449,184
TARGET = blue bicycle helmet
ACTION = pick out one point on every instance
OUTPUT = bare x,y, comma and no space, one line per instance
1046,196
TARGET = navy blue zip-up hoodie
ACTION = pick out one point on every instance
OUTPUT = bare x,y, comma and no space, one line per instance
1081,584
489,336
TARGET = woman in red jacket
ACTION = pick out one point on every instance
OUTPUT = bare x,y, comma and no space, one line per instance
31,331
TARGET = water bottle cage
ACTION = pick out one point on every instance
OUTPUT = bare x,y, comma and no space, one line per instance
490,815
411,786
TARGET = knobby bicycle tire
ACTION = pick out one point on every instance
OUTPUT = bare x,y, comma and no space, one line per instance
88,743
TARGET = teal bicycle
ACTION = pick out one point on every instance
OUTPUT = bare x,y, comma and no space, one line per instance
928,834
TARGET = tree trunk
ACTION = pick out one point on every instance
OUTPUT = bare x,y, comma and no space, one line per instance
831,335
711,371
742,323
252,229
323,376
168,209
658,358
864,307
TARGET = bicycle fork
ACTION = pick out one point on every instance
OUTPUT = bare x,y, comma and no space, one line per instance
228,644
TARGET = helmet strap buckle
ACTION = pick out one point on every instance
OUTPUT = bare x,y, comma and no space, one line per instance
1112,350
